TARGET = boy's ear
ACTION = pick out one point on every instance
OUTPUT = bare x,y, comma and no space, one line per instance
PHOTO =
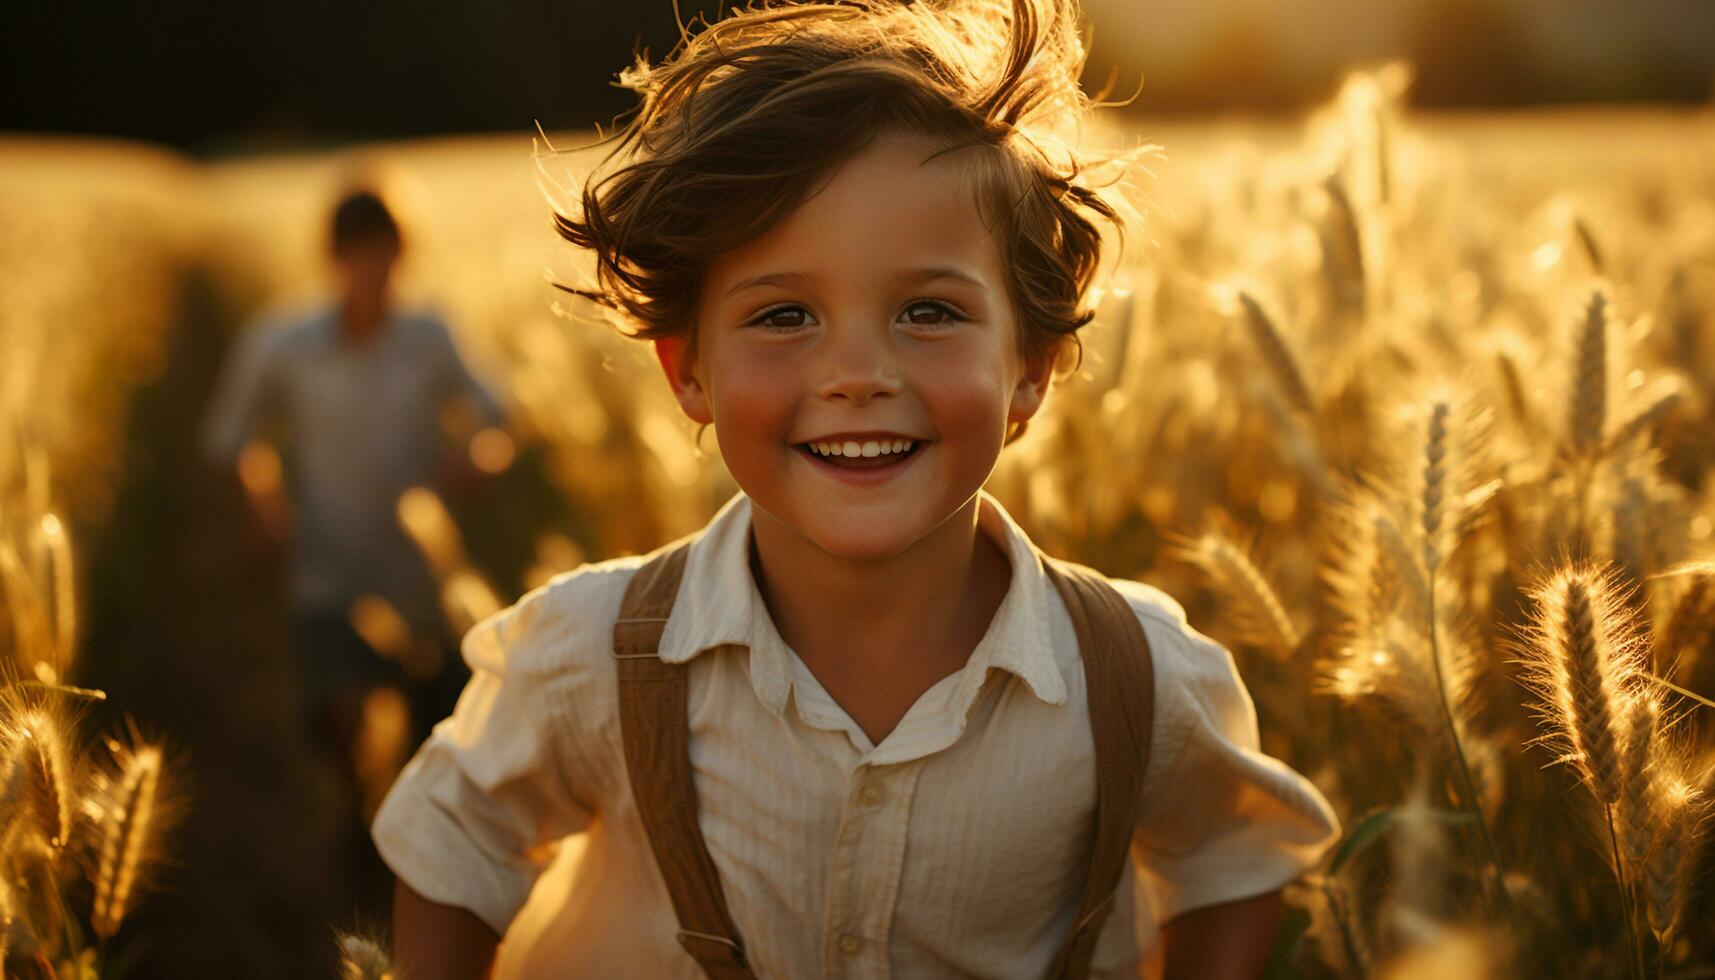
681,371
1032,388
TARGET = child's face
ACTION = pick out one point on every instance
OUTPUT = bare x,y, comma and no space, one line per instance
883,313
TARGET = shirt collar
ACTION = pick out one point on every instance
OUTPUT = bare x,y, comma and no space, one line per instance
719,605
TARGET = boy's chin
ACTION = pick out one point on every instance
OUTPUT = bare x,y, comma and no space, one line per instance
851,536
851,546
849,542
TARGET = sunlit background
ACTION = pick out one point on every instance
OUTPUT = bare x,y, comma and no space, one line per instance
1356,204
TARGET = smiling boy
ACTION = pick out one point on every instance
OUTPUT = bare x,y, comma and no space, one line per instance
898,329
886,702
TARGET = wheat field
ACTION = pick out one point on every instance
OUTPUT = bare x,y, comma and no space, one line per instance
1411,411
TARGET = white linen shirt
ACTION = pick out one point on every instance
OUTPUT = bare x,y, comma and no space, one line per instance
955,847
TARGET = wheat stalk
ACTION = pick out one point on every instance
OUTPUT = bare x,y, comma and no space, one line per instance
63,580
29,621
1342,250
1276,354
1590,378
1585,666
1639,807
1433,490
362,958
1434,487
1691,624
1584,675
129,828
1672,866
40,788
1258,609
8,916
1408,564
1587,244
1631,517
1662,403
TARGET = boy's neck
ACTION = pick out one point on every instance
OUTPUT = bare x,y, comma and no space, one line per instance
879,633
361,320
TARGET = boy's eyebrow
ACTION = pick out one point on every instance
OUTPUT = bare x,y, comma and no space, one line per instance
942,272
911,276
771,279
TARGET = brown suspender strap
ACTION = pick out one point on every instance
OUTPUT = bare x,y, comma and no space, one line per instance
654,725
1120,682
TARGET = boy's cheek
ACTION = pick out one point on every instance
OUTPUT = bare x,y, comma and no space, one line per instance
749,405
967,403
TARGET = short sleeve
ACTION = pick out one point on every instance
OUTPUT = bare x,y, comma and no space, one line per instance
1220,820
458,380
246,392
487,786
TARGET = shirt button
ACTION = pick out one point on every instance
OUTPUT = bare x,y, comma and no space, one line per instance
870,795
849,944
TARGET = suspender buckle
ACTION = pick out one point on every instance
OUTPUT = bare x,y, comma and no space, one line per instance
635,638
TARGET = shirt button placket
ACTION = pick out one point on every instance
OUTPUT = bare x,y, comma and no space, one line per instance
865,871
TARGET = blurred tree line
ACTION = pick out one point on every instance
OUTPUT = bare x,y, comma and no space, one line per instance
214,78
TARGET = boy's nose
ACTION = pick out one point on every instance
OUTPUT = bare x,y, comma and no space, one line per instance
859,371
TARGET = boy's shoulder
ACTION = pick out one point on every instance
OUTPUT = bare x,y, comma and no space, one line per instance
283,327
1181,653
564,624
423,323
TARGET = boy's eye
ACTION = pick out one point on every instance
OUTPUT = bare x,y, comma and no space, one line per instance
782,317
929,313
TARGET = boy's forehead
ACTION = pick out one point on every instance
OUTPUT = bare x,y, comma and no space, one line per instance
896,166
896,201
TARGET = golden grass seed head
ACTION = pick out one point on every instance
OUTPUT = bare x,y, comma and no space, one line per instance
1668,812
1589,402
1361,576
129,835
1587,244
363,958
28,617
1639,808
1277,354
1342,249
1395,673
1582,659
61,585
1631,527
1259,615
1690,633
1591,715
1663,400
1415,586
1672,868
41,787
8,916
1434,481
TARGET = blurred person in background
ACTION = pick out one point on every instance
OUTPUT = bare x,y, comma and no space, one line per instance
354,393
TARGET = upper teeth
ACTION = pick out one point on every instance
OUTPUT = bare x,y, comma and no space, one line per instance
872,447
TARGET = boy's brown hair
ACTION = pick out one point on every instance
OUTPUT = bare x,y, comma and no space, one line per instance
362,216
742,119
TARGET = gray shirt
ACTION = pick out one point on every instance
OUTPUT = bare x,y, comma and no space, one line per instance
357,425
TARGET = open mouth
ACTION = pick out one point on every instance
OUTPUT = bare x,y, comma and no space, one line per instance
868,455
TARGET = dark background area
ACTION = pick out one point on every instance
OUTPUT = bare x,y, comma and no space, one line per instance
215,78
